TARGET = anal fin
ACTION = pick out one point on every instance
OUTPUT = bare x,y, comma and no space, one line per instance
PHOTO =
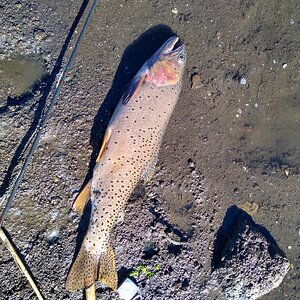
82,198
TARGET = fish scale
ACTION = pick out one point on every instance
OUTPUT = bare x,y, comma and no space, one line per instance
130,150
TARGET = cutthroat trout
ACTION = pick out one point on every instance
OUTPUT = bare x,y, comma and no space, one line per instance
128,154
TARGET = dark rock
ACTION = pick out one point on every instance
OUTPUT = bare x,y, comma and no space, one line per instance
250,265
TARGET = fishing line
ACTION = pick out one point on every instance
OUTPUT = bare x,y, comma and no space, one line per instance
36,140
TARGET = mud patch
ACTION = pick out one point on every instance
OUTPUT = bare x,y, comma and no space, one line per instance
19,74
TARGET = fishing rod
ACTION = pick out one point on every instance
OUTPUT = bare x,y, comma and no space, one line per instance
37,138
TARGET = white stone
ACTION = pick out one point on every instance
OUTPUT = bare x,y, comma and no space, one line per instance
243,81
128,289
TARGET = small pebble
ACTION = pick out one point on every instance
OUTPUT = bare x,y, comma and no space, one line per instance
289,247
18,5
175,10
250,208
52,235
55,179
41,36
243,81
195,81
191,163
54,215
16,212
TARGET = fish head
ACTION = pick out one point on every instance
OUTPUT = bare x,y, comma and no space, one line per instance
167,64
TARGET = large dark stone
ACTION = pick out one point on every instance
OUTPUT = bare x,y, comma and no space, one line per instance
248,262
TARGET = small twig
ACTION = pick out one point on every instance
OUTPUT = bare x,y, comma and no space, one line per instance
19,262
90,292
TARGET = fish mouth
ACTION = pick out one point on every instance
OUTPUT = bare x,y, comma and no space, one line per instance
167,49
170,46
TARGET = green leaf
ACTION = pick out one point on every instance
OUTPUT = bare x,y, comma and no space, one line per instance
143,269
149,274
134,273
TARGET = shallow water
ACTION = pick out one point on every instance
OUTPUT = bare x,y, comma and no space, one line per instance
278,134
19,74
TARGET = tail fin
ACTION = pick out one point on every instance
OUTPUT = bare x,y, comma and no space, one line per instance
88,268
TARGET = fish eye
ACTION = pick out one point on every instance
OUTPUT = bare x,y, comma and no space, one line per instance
181,57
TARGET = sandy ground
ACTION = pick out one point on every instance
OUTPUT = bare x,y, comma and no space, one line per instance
227,142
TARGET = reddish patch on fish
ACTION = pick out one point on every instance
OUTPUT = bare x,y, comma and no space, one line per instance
164,73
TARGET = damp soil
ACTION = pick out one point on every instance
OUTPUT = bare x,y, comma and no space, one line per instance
233,138
19,75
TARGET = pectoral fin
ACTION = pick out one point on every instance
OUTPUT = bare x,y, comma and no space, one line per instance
82,198
133,87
